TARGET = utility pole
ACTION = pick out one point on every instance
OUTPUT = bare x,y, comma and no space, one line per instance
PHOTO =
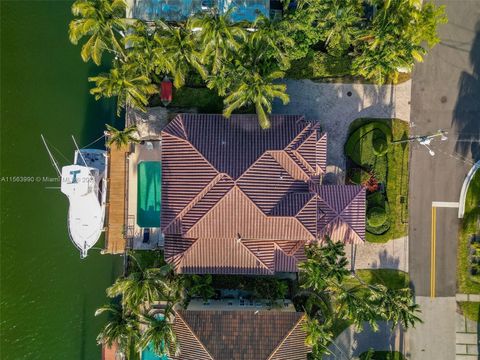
425,140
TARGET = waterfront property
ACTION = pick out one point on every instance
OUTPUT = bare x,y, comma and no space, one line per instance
237,199
179,10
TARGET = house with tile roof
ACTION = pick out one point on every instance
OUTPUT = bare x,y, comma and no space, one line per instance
240,335
237,199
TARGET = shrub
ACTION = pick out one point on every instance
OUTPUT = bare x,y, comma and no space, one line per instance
371,183
359,144
379,143
318,65
376,216
358,176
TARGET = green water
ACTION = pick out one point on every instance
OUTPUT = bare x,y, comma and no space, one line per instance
149,194
48,295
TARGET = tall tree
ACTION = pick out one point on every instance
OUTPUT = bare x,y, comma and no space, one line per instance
142,286
121,138
176,44
257,90
338,22
102,21
218,36
396,38
159,334
121,327
130,88
142,51
273,37
328,297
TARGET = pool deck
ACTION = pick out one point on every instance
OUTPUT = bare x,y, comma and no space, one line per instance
142,152
117,170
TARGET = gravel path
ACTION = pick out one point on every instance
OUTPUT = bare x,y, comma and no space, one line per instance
337,105
390,255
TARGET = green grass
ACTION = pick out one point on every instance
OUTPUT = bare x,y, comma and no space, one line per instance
396,177
327,68
204,100
470,310
318,65
393,279
468,283
382,355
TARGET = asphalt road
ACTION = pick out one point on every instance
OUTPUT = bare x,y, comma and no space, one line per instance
445,95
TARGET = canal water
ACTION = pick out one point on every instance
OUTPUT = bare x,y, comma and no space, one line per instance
48,295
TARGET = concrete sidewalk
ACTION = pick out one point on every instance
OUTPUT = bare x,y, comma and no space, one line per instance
390,255
435,337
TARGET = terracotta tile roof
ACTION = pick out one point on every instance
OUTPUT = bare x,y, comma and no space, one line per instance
232,194
240,335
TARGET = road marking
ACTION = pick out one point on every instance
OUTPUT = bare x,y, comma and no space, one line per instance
445,204
433,251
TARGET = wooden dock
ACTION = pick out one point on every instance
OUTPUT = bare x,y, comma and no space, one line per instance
115,241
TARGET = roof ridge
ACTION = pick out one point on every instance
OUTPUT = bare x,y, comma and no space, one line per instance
193,334
274,152
286,337
256,257
303,161
295,140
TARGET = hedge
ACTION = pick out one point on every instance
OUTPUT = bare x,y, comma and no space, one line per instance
378,201
360,148
317,65
376,216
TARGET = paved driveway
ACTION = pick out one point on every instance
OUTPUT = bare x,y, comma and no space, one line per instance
335,106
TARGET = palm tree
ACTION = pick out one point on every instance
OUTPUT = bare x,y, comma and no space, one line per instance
339,23
101,21
394,40
329,298
121,138
159,334
142,286
131,89
200,285
258,90
121,327
318,336
218,36
141,45
176,48
273,37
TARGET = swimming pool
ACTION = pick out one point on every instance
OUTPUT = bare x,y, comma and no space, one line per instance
149,190
149,354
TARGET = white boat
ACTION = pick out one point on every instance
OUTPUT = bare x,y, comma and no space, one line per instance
84,183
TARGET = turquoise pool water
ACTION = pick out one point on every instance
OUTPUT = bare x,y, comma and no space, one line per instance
149,354
149,194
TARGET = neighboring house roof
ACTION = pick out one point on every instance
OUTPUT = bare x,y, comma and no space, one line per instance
240,335
240,200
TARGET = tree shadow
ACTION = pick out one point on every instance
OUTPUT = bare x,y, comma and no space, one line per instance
466,115
386,261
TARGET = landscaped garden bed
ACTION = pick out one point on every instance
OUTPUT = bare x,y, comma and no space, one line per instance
381,165
468,267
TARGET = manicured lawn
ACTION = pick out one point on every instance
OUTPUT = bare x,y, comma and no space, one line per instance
382,355
468,283
470,310
393,279
205,100
392,170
